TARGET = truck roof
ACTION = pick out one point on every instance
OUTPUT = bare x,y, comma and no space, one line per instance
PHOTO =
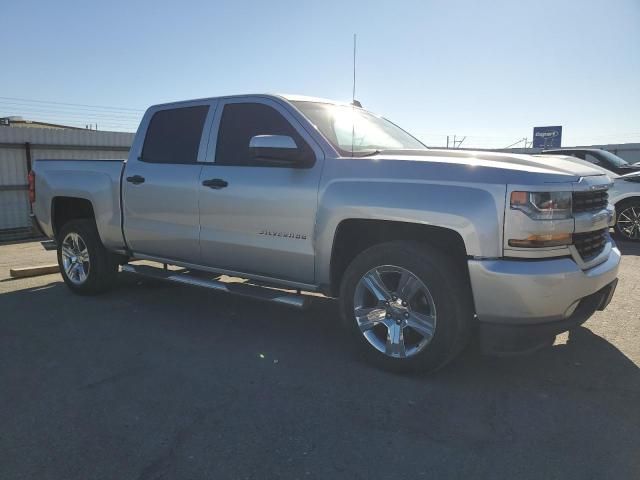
288,97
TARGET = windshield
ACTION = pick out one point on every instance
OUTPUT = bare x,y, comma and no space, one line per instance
356,132
613,159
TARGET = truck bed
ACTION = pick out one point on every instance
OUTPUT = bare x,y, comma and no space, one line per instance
97,181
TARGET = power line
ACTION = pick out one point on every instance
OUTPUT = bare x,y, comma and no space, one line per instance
72,121
47,108
515,143
73,104
30,112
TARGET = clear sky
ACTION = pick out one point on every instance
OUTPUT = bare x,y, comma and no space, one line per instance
488,69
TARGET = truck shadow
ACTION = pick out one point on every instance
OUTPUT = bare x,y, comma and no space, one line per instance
191,352
312,335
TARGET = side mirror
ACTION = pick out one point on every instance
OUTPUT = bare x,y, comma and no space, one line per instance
275,150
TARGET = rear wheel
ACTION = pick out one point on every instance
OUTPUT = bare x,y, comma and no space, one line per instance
407,306
87,267
628,220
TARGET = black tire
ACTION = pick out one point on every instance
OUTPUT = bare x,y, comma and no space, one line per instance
102,267
623,208
450,292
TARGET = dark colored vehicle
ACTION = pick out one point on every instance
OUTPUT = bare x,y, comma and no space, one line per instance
599,157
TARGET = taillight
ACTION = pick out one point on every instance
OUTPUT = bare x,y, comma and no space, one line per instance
32,186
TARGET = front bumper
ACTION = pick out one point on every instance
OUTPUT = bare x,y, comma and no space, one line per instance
522,304
536,291
504,338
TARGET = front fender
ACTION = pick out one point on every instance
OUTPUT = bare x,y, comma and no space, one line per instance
475,213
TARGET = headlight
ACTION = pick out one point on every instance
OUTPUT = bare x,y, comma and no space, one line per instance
543,205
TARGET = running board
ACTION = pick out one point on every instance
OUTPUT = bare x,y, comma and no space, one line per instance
246,290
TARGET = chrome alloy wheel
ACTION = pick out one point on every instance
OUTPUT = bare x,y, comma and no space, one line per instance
629,223
75,258
395,311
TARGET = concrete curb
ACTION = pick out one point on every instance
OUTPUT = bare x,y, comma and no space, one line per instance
33,271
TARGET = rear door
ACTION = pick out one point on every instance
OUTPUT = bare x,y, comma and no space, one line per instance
255,218
161,183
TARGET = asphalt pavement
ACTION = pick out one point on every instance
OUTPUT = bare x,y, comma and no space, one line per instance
159,381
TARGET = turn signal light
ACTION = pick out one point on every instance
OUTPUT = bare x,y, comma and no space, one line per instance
545,240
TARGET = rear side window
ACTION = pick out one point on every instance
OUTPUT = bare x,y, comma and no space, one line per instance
242,121
174,135
593,159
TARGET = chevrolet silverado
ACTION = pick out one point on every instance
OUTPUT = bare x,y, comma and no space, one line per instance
421,247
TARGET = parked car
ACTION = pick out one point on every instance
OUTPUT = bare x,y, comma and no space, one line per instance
625,197
599,157
420,246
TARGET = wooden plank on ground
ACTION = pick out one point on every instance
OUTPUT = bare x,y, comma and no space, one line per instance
33,271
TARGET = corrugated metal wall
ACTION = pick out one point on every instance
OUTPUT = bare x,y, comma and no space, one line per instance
44,143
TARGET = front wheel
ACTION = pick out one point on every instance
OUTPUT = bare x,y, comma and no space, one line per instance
407,305
87,267
628,220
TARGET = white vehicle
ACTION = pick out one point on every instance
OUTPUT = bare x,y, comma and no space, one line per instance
624,194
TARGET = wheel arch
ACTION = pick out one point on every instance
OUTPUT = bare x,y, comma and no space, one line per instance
352,236
635,197
64,209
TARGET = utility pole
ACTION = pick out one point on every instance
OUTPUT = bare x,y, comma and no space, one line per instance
456,142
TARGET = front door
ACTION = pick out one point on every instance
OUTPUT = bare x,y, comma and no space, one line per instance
257,218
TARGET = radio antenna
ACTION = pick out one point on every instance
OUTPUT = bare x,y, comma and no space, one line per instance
353,93
353,96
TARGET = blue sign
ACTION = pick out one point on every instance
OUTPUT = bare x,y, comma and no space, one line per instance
547,137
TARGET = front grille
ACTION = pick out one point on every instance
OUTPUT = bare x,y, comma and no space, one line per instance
590,201
590,244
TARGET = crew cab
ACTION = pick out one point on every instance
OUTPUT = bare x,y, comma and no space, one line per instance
422,247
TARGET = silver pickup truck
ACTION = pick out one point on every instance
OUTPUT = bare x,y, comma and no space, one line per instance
421,246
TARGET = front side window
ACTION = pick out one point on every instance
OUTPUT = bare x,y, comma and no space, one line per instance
356,132
241,122
613,159
173,136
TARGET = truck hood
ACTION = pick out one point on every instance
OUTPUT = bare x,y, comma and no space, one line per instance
560,165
